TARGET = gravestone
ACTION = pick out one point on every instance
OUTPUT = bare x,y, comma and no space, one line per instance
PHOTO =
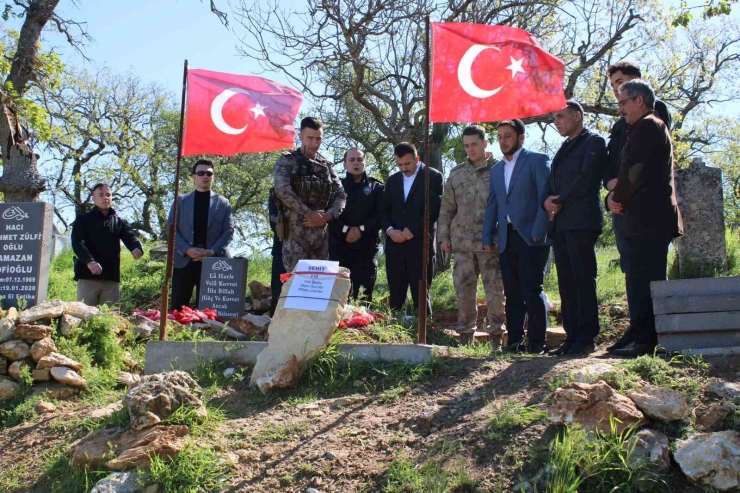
25,249
701,250
223,285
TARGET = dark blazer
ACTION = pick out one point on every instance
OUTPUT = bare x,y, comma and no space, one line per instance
575,175
400,214
220,227
521,203
364,200
645,185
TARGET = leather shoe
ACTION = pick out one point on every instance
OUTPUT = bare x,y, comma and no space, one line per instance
634,349
581,349
560,350
537,348
622,343
515,347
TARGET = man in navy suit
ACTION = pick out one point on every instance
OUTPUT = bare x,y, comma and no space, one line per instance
205,227
514,215
402,219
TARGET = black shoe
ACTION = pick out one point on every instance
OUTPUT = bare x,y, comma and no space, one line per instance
515,347
560,350
624,341
581,349
537,348
634,349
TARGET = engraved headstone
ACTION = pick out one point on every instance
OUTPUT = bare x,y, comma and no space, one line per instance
25,250
223,285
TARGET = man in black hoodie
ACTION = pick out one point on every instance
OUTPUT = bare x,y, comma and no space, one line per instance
96,238
353,237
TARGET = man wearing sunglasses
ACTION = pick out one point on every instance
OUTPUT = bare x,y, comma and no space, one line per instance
205,227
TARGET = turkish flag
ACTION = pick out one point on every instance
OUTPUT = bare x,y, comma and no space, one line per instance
228,114
490,73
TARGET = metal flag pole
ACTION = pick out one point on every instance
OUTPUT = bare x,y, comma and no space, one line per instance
172,227
422,315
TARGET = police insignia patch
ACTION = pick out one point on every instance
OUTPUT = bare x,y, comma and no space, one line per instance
368,190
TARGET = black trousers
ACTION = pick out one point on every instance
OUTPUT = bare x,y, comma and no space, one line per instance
575,260
277,269
647,261
523,271
403,266
363,267
183,282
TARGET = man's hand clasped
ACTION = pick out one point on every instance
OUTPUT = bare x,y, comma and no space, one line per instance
551,207
614,206
197,254
95,267
316,219
353,235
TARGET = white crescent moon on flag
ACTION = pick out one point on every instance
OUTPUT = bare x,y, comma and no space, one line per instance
464,72
217,108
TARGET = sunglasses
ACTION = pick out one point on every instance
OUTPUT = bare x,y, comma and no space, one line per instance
204,173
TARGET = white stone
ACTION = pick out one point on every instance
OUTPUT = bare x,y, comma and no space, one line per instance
592,373
80,310
57,359
66,323
128,379
65,375
46,309
14,370
15,350
660,403
143,327
43,407
724,389
712,459
118,482
8,389
650,446
41,348
6,329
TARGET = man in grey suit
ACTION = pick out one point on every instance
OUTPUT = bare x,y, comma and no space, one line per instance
205,227
515,216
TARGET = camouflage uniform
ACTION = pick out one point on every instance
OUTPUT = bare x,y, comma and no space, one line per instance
303,185
461,223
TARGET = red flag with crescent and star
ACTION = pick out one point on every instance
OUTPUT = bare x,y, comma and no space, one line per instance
229,114
486,73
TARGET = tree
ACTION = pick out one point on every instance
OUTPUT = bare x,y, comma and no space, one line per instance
28,69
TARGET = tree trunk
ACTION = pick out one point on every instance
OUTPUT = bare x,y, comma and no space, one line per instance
21,181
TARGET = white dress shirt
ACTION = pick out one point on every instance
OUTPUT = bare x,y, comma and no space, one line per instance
508,171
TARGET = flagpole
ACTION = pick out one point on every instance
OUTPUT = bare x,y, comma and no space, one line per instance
172,227
422,315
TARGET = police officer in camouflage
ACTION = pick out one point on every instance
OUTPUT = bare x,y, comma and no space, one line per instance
460,229
309,196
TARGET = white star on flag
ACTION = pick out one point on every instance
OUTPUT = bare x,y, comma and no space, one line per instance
258,110
516,66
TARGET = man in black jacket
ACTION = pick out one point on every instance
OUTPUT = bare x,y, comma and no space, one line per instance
353,237
96,238
402,219
571,198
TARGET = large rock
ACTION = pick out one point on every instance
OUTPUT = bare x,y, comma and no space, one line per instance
15,350
250,324
660,403
118,482
57,359
650,447
46,309
592,406
158,396
713,418
128,379
54,390
12,314
258,290
41,375
6,329
143,327
712,459
592,373
42,348
64,375
132,449
66,323
8,389
724,389
32,332
14,370
80,310
296,337
43,407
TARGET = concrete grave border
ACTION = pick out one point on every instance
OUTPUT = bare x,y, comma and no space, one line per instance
185,355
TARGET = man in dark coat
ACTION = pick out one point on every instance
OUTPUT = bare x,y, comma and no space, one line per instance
402,219
96,241
353,237
645,195
571,198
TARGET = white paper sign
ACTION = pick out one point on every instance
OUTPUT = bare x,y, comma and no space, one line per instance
312,285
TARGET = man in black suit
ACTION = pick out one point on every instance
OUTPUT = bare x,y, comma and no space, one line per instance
571,198
402,219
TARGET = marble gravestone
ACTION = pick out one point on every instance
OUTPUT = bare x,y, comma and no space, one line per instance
223,286
25,251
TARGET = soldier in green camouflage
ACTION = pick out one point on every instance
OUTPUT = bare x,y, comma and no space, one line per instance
460,231
309,195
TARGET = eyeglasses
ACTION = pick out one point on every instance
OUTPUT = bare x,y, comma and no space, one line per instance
204,173
623,103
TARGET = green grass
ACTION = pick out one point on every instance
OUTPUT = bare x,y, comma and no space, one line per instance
684,374
194,470
403,476
511,415
273,433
